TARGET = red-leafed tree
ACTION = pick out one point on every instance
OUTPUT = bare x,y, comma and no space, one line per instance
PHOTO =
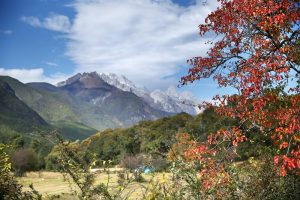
258,53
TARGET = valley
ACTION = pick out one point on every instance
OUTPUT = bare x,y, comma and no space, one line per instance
86,103
149,100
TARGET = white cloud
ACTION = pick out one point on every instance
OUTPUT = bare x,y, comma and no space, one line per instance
145,40
32,75
59,23
7,32
52,64
54,22
33,21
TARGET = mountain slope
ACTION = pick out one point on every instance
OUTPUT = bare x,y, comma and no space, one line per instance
52,107
16,115
173,101
74,130
155,138
84,100
104,105
51,104
168,101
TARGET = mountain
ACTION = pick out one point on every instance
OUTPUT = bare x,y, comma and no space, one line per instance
16,115
173,101
124,84
87,102
106,106
84,100
168,101
51,104
44,86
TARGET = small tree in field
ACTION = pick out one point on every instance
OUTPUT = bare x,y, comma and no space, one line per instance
258,54
24,160
10,189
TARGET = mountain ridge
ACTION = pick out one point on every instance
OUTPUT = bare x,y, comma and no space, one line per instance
125,107
168,101
92,101
16,115
51,107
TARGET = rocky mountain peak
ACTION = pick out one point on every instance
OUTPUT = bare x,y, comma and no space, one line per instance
169,101
87,80
69,80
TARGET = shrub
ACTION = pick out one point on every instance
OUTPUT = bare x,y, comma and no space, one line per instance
10,189
24,160
131,162
159,164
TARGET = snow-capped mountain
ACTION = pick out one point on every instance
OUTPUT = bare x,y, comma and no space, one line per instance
173,101
124,84
101,105
69,80
168,101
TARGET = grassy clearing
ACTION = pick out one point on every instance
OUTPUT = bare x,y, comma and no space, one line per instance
53,183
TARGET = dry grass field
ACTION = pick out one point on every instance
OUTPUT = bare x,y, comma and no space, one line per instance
53,183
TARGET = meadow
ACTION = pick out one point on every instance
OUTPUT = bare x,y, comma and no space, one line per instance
53,185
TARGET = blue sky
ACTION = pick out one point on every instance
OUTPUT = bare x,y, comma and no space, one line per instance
148,41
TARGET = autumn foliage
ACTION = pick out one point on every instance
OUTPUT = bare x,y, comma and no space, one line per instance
258,54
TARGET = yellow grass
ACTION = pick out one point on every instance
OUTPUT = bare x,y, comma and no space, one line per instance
53,183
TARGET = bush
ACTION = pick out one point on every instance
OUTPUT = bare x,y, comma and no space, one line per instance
159,164
24,160
261,175
135,162
10,189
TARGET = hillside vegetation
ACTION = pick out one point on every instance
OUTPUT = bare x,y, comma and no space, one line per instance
16,114
39,107
152,139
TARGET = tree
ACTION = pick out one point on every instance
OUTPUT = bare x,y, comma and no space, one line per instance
24,160
9,186
76,167
258,54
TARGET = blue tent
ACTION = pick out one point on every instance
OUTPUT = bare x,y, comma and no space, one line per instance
148,170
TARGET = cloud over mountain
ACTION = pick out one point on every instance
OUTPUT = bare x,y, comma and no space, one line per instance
148,41
32,75
144,40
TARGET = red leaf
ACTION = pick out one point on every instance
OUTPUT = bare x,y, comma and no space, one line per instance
276,160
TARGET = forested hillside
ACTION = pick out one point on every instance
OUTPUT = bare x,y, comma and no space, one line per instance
151,138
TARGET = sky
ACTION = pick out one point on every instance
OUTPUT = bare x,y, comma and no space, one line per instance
148,41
